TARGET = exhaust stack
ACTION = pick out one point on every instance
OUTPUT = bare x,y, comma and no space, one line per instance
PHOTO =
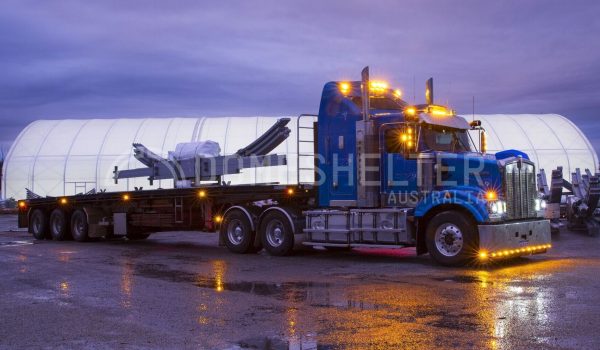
429,91
365,93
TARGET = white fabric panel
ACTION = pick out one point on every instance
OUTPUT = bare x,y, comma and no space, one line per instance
71,156
19,173
550,140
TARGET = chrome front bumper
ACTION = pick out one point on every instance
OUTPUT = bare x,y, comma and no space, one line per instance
515,238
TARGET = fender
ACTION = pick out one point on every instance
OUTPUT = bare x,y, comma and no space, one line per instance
285,212
469,198
245,211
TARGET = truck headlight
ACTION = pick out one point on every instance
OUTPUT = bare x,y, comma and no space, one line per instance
540,204
497,207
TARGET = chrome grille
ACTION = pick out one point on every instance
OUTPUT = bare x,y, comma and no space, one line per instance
519,183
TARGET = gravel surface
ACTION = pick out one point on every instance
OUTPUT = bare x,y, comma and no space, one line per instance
180,290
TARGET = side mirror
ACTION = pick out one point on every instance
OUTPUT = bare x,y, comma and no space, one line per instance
482,141
475,124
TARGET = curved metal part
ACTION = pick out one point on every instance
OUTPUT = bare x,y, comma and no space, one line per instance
245,211
468,200
269,140
285,212
146,156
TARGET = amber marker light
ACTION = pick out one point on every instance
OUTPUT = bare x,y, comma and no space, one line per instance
202,193
218,218
439,111
290,191
345,88
410,111
126,197
22,204
483,255
491,195
378,85
63,201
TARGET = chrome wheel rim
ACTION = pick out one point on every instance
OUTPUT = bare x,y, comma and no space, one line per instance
275,233
449,240
235,231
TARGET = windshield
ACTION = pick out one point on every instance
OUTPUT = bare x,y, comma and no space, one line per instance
436,138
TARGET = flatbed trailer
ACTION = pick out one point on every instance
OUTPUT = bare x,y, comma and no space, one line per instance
136,214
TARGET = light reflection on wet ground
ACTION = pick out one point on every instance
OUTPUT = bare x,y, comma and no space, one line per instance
182,291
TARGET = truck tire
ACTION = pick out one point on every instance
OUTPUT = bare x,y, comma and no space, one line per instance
38,224
451,238
59,225
276,233
237,232
79,226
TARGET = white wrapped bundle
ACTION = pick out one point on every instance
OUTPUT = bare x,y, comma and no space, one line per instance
188,150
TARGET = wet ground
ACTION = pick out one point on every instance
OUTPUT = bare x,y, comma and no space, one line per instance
180,290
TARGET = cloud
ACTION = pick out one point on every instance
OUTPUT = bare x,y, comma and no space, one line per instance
66,59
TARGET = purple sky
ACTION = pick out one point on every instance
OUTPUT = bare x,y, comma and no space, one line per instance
84,59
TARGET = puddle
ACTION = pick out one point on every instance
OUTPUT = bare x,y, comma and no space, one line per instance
294,291
349,304
15,243
274,343
459,322
459,279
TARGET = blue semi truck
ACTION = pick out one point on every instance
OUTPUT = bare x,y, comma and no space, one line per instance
386,174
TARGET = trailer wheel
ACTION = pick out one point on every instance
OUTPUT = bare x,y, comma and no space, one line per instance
276,233
79,226
38,224
451,238
59,226
237,232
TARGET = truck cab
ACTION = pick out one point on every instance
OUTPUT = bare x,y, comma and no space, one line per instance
392,173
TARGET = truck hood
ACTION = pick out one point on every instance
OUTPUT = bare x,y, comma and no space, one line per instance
468,170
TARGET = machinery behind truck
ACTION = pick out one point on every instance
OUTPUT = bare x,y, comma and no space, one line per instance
386,174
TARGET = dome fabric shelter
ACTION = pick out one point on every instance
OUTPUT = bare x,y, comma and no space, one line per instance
66,157
550,140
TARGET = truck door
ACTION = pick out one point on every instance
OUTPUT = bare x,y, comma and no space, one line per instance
399,165
342,186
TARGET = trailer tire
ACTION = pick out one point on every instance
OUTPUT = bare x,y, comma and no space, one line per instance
79,226
276,233
451,238
38,224
237,232
59,225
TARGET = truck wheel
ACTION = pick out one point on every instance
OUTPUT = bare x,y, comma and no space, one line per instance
38,224
451,238
59,226
276,233
237,232
79,226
